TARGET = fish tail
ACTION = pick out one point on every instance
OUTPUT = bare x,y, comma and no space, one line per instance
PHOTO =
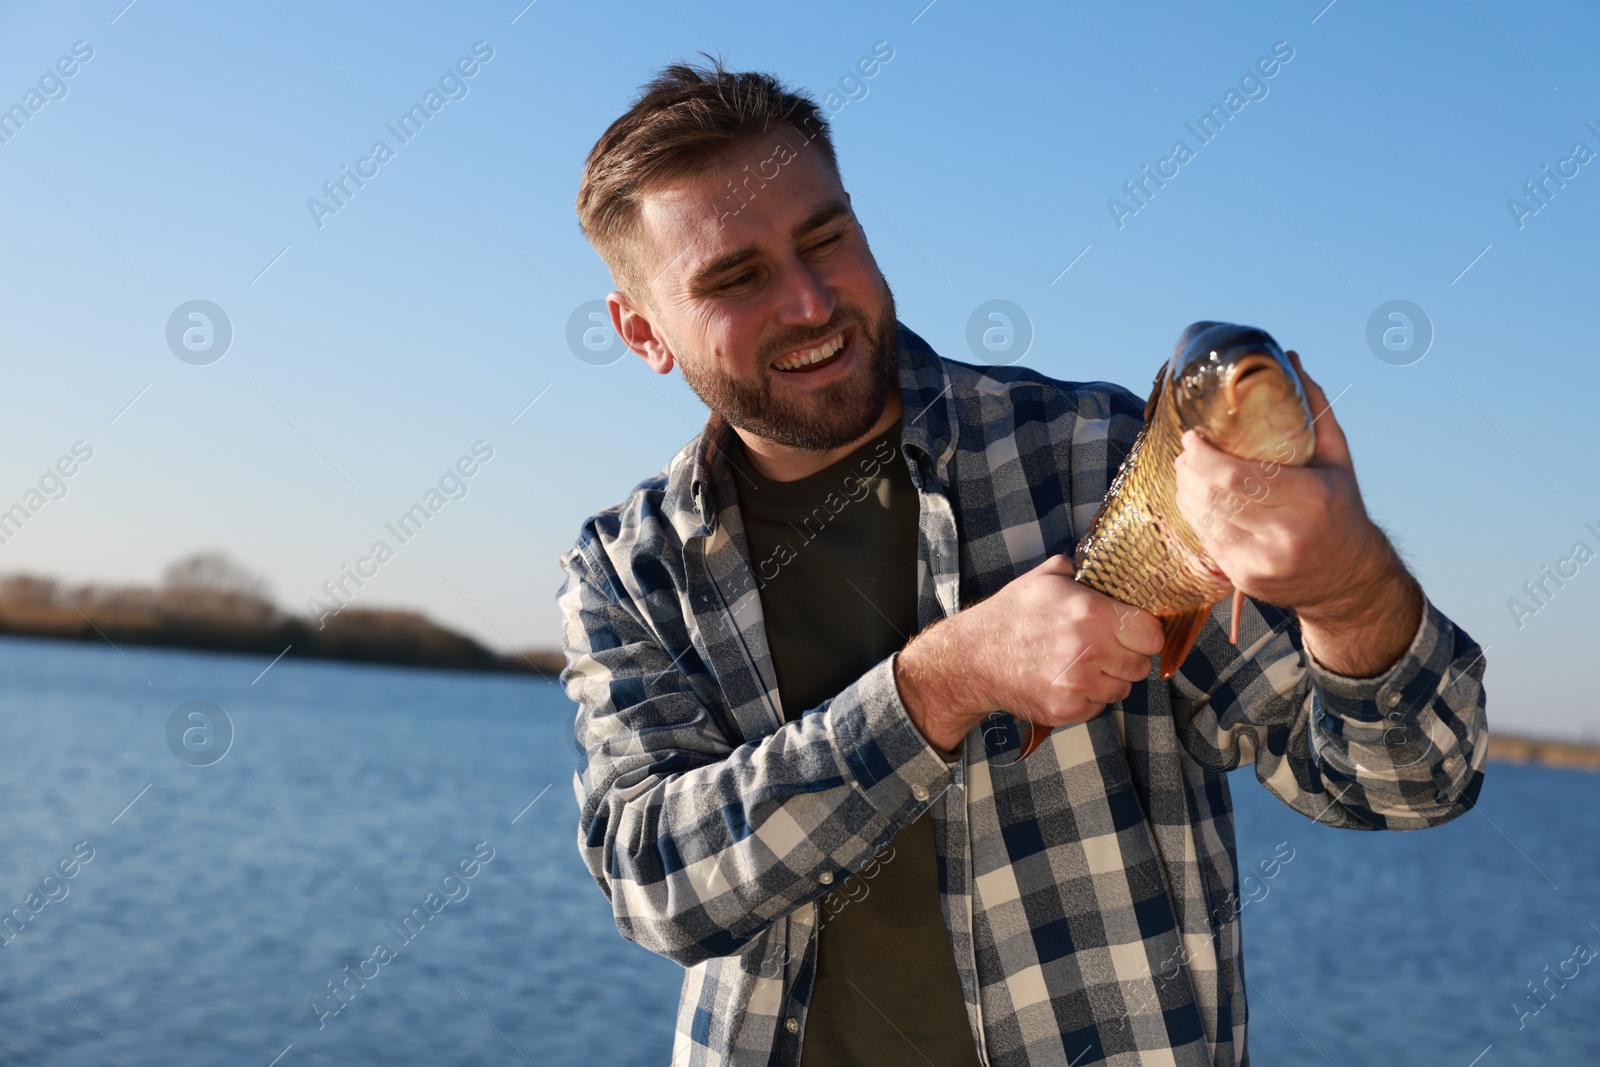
1036,736
1181,632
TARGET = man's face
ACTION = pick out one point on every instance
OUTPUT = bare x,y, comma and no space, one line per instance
768,297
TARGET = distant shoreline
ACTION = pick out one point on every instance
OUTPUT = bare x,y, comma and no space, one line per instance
191,614
1545,752
536,662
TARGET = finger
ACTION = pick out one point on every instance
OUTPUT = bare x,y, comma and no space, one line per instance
1223,528
1331,449
1220,536
1128,667
1266,503
1100,659
1216,467
1195,499
1138,630
1057,564
1211,499
1299,368
1121,663
1108,689
1076,711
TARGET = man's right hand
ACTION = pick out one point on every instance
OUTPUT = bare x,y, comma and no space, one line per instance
1045,648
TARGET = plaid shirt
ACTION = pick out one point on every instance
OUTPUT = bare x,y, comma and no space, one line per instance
1090,892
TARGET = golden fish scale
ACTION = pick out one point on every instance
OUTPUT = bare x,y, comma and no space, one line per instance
1139,549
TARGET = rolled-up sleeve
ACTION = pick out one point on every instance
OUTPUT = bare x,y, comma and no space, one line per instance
1399,751
698,838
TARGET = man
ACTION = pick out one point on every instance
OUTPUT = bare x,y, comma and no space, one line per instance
802,653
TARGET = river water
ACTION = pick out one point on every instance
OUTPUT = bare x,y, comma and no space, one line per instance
217,901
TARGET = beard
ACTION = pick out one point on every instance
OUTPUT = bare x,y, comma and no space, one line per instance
836,415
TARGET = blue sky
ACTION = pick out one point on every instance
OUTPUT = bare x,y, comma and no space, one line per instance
370,353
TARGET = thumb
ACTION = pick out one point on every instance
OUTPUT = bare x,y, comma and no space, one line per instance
1332,449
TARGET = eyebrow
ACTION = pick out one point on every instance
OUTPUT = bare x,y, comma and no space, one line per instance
825,214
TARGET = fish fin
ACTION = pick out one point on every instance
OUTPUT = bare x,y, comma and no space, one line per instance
1155,393
1238,609
1036,736
1181,631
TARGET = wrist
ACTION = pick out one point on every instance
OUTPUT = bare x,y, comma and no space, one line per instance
936,687
1371,590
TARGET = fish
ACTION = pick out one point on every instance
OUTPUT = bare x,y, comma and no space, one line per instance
1237,388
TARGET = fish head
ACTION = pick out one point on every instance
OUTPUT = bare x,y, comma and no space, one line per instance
1234,385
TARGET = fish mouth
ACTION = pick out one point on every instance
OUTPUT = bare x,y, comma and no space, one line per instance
1247,367
1234,384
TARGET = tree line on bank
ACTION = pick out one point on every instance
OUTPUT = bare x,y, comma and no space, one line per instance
208,601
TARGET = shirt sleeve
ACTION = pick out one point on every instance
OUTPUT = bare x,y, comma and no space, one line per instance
1400,751
700,839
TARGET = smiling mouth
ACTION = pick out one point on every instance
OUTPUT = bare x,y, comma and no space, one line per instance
811,359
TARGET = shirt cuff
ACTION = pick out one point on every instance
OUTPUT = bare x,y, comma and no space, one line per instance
892,763
1415,674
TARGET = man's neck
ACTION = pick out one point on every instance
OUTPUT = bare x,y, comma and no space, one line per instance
784,464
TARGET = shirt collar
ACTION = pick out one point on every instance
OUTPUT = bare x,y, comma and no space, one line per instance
701,477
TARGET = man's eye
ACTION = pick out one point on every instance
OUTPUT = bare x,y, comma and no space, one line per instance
736,282
826,242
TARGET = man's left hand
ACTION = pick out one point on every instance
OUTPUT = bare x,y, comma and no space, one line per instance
1300,537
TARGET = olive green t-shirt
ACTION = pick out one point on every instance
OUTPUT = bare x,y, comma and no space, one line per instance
835,556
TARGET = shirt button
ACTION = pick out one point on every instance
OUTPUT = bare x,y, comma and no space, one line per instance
793,1025
919,793
1391,698
826,877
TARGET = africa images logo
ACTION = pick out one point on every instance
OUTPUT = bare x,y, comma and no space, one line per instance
199,332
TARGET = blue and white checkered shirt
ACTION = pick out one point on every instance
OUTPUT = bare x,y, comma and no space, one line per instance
1091,892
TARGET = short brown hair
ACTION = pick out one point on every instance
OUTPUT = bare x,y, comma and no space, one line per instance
685,119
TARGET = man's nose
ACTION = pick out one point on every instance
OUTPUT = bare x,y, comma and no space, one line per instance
808,301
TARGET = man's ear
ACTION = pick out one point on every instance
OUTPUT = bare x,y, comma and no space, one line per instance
638,333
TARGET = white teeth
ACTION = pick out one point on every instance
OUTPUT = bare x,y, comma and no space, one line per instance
810,355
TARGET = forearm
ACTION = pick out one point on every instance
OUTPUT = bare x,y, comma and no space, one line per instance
1400,750
1366,627
698,860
